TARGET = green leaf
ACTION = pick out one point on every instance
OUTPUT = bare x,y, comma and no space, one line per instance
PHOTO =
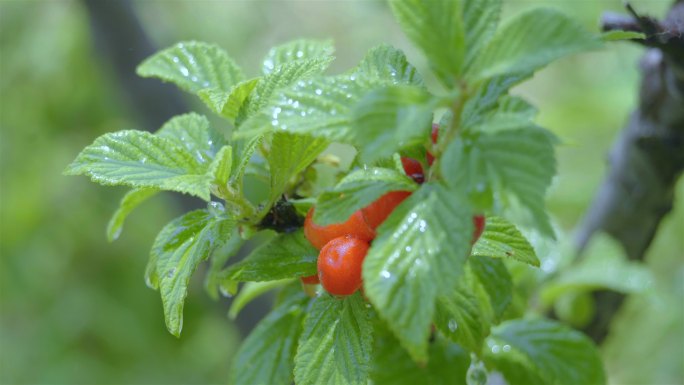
491,282
266,356
335,345
297,51
622,35
228,104
320,107
130,201
393,366
390,118
285,256
529,42
140,159
212,281
357,190
193,132
387,63
436,27
480,18
417,256
501,239
514,167
556,353
459,316
281,76
291,154
486,97
178,249
250,291
221,167
193,66
241,157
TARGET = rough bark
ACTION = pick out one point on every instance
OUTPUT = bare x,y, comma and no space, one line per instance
647,158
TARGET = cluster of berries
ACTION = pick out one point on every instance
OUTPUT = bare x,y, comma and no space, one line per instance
343,246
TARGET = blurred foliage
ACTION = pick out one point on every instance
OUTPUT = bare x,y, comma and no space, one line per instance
74,309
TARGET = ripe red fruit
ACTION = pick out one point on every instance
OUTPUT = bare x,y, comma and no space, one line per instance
479,222
378,211
413,169
339,265
434,134
310,280
319,235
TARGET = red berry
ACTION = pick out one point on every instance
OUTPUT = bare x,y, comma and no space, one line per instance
378,211
319,235
479,222
339,265
413,169
310,280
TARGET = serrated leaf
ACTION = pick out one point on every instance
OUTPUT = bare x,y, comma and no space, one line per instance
490,280
393,366
291,154
529,42
336,343
357,190
193,132
250,291
480,18
193,66
512,167
459,316
297,51
622,35
212,281
417,256
221,167
387,63
242,154
178,249
320,107
486,97
130,201
285,256
556,353
281,76
228,104
501,239
436,27
266,356
391,118
139,159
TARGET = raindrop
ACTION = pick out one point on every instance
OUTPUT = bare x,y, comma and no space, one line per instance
385,274
184,71
171,272
295,104
452,325
274,122
506,348
408,250
422,225
176,59
300,53
194,78
496,349
319,91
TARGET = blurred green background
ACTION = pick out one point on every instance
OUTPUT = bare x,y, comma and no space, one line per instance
75,310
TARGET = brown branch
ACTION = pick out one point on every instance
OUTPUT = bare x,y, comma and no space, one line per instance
646,159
